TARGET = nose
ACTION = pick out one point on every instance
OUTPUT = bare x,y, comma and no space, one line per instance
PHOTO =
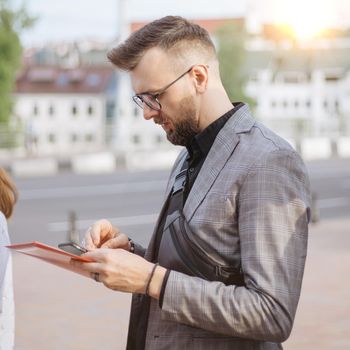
149,113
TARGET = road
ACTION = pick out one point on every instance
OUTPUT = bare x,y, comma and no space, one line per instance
132,201
129,200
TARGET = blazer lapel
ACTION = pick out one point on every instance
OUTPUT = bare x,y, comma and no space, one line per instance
221,150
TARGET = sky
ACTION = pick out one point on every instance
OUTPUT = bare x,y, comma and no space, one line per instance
77,19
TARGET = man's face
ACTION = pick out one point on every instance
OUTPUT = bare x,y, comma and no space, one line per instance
178,115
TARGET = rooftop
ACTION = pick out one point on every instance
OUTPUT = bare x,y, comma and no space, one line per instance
54,79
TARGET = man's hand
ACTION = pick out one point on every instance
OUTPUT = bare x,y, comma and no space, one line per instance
103,235
123,271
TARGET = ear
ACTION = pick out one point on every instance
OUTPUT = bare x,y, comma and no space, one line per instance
200,75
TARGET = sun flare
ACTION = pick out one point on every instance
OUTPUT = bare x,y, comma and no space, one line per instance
307,18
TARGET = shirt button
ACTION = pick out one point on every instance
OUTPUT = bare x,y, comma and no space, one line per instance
191,170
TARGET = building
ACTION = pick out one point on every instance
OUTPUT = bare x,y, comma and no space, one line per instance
303,91
65,111
68,101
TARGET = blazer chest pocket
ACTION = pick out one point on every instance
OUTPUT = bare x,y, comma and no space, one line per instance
217,209
179,252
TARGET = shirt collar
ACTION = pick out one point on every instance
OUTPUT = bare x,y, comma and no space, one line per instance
203,141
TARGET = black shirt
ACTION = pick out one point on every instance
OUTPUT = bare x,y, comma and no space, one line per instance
198,149
200,146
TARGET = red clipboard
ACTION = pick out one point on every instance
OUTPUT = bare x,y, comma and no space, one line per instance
50,254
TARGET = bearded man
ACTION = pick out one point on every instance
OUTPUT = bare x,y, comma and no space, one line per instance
224,267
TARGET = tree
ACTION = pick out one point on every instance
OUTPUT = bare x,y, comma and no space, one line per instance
12,22
232,57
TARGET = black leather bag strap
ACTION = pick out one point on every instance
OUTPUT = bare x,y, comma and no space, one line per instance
174,200
180,253
177,192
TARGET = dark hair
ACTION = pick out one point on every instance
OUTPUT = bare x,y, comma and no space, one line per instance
167,33
8,194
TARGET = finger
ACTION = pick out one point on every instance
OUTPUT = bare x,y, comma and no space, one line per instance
96,232
88,243
77,266
105,256
119,241
97,255
87,267
101,231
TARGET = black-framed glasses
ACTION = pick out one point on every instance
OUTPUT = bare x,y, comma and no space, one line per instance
151,100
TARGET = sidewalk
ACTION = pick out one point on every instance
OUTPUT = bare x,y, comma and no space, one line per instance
56,309
60,310
323,316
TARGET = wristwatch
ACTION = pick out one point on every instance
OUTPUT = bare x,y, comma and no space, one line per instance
132,246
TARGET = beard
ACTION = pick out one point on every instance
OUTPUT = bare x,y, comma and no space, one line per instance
186,125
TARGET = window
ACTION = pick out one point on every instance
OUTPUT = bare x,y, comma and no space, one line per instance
89,137
52,138
332,77
51,111
159,139
136,111
110,109
35,110
136,139
74,138
93,79
289,79
90,110
74,110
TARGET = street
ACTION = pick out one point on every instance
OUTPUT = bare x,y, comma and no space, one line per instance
129,200
72,312
132,201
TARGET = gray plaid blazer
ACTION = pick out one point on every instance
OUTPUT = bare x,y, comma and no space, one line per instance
249,205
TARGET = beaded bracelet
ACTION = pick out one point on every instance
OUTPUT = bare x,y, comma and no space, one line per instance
150,278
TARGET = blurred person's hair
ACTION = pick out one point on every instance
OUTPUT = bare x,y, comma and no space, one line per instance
8,194
173,34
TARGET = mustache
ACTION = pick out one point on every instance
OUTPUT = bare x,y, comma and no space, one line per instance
160,119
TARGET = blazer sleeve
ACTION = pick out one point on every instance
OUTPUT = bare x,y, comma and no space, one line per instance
139,250
273,221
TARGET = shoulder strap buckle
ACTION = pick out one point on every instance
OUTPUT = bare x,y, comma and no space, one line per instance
180,180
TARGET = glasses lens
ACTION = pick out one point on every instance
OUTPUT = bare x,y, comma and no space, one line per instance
138,101
149,100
